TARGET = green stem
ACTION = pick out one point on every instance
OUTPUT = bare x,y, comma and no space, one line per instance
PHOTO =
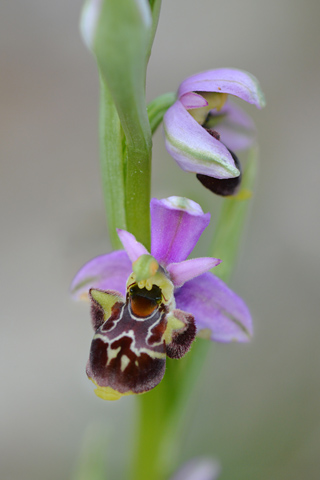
138,167
126,174
112,164
146,463
137,190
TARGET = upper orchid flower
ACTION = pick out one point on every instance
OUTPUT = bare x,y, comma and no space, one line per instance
145,307
203,127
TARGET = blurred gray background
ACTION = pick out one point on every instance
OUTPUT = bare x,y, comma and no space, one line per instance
257,405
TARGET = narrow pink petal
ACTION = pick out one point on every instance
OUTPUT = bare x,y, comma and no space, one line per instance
193,148
193,100
106,272
133,248
184,271
176,226
225,80
216,308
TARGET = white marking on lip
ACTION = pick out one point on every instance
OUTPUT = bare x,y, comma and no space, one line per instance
124,362
137,351
112,353
116,320
155,344
141,319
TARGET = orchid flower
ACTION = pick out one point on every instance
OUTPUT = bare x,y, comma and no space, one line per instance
146,307
203,127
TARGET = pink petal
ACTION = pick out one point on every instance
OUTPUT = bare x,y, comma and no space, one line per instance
106,272
193,100
184,271
225,80
133,248
176,226
215,308
193,148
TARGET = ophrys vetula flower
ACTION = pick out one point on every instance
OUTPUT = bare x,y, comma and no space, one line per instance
146,307
203,128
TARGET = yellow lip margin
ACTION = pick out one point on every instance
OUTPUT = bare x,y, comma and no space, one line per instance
108,393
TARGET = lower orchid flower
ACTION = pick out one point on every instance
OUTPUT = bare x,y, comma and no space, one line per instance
203,127
147,307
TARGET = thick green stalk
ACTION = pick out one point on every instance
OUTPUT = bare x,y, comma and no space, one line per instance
112,164
137,192
126,174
